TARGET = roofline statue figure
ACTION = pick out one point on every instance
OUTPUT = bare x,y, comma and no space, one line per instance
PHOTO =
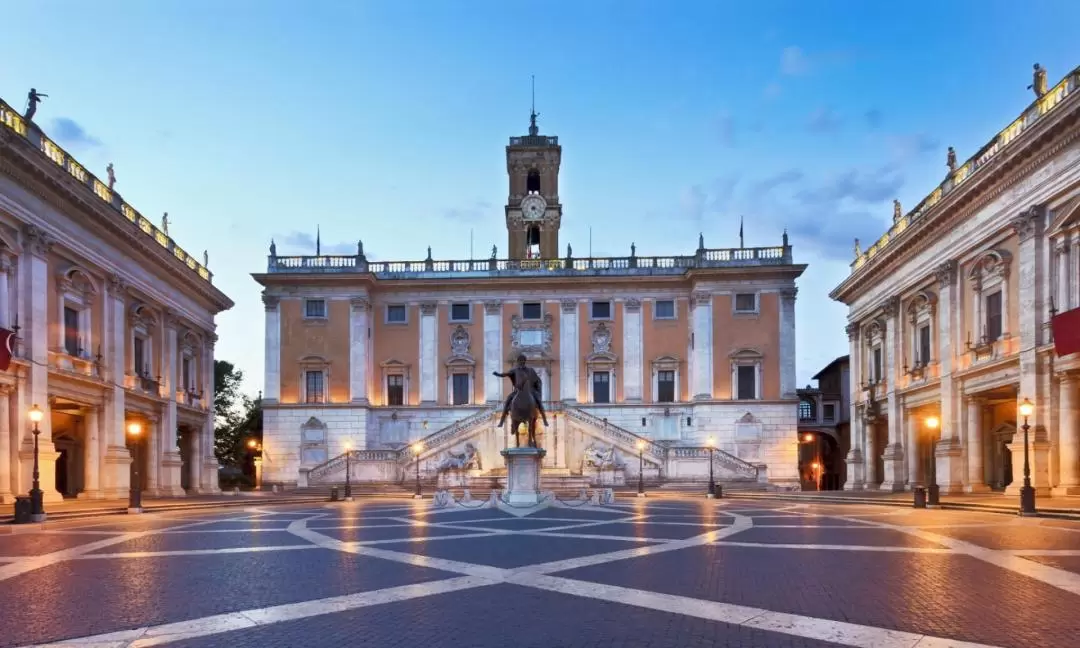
33,98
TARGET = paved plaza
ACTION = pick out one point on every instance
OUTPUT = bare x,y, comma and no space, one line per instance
649,573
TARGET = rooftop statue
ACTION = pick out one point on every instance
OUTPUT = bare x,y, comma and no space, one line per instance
1038,82
33,98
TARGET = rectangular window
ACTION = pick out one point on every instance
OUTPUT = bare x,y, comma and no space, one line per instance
665,309
924,344
830,412
395,390
747,377
313,387
665,386
601,387
315,308
185,372
745,303
460,312
531,311
396,314
876,373
601,310
993,316
806,411
461,389
138,356
71,331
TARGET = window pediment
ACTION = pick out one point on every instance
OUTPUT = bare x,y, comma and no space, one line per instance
924,302
746,354
1067,217
603,357
314,361
142,315
76,282
666,362
990,265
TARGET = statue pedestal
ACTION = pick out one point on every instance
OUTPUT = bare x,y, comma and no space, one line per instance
523,475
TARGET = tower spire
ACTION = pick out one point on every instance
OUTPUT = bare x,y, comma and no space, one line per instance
533,130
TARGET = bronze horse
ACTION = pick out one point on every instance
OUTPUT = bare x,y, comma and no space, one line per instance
523,405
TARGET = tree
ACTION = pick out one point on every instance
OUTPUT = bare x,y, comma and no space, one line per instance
230,410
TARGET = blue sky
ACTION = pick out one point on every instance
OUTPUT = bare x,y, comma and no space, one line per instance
386,121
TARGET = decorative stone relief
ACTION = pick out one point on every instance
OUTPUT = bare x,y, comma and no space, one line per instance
118,286
852,331
946,273
142,315
467,459
170,318
992,264
569,305
597,455
531,337
699,299
428,308
891,307
38,241
923,301
459,341
270,302
601,339
360,304
1029,222
633,305
492,307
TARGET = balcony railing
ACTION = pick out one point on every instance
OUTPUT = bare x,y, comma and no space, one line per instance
594,266
916,217
33,134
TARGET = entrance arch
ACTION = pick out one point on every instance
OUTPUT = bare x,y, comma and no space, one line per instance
997,457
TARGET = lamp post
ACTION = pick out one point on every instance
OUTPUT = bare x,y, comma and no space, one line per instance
417,448
348,471
817,474
1027,493
710,443
933,493
134,429
37,499
641,469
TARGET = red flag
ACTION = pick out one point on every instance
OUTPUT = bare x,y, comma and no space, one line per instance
7,348
1066,328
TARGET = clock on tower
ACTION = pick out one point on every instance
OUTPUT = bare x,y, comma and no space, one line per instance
533,212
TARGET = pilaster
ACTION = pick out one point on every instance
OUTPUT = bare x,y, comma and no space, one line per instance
272,370
429,353
1068,435
911,452
359,311
893,404
632,351
787,342
569,359
854,457
948,454
974,443
701,307
493,340
92,448
7,493
207,462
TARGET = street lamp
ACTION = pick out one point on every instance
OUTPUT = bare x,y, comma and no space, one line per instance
417,448
256,460
710,443
933,493
348,470
641,468
1027,493
817,474
37,500
134,429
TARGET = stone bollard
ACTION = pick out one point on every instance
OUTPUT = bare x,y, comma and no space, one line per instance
919,494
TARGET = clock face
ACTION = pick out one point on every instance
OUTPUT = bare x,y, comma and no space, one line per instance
533,208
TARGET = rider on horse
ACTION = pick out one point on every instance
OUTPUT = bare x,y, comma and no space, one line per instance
518,376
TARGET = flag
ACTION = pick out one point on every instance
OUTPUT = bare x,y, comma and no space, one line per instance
1066,329
7,348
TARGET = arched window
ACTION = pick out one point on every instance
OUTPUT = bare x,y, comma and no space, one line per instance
532,182
532,242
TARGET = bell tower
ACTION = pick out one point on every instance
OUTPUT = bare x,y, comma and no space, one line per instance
533,211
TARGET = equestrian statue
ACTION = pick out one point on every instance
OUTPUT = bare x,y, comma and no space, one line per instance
524,403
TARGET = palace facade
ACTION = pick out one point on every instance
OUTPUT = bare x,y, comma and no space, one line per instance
949,322
638,355
107,323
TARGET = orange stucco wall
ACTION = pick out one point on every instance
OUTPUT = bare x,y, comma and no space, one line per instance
475,329
665,337
308,338
760,332
400,342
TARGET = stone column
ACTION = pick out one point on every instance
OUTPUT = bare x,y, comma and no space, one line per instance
1028,227
208,479
632,351
493,361
429,353
976,473
171,462
568,352
116,466
272,370
893,453
914,465
854,458
1068,435
152,432
358,350
93,458
7,495
949,452
36,328
701,308
787,342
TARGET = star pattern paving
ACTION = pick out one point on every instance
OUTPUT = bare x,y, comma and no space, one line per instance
644,572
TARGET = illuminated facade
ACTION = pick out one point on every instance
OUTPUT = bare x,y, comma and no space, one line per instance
108,322
949,319
661,351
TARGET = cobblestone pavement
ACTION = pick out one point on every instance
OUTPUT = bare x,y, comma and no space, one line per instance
641,573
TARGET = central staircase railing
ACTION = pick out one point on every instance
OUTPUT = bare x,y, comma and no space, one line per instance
337,463
615,433
725,459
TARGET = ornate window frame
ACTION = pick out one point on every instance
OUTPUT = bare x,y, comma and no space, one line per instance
665,363
393,367
989,273
602,359
746,358
314,437
75,289
143,324
921,311
309,364
460,361
875,341
192,387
